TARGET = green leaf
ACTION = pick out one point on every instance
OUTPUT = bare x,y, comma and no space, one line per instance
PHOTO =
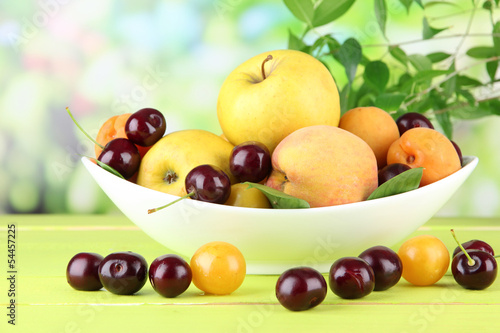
407,4
328,11
438,56
481,52
420,62
381,14
295,43
108,168
406,181
419,3
496,39
428,32
376,75
349,55
443,118
464,80
279,199
428,74
301,9
468,112
491,68
398,54
344,98
451,84
389,102
434,3
333,44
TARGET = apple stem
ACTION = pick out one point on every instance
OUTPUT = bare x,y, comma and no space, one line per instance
471,261
81,129
190,194
269,57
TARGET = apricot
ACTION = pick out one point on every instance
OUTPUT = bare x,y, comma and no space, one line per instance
114,128
375,126
427,148
242,196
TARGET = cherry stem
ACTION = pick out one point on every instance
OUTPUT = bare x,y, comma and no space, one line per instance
81,129
269,57
471,261
190,194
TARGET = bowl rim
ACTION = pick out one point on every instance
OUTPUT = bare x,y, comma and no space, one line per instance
468,165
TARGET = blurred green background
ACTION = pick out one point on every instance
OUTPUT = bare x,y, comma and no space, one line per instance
103,58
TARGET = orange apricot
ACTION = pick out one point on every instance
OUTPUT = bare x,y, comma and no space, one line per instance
114,128
375,126
427,148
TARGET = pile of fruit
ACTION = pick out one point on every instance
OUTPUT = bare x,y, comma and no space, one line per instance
284,137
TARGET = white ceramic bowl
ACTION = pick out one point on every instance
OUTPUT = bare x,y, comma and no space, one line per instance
273,240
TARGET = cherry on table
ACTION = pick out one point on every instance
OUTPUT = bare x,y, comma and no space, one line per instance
301,288
351,277
411,120
386,265
473,269
122,155
123,273
170,275
250,162
391,171
82,271
475,244
145,127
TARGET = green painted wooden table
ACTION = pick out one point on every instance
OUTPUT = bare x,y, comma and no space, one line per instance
44,302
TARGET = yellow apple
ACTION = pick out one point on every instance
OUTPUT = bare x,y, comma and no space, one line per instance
324,165
266,99
165,166
242,196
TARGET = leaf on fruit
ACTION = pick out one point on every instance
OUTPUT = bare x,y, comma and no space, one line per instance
279,199
108,168
406,181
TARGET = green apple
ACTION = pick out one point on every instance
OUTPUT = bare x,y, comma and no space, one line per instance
165,166
275,93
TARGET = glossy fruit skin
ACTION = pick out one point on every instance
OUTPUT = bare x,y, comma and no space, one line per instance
170,275
475,244
122,155
145,127
82,271
209,184
123,273
391,171
351,277
479,276
459,151
411,120
425,260
386,264
250,162
218,268
301,288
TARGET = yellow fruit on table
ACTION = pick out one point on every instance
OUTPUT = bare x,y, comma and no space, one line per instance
266,99
166,165
242,196
324,165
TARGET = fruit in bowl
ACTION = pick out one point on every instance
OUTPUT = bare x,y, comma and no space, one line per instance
273,240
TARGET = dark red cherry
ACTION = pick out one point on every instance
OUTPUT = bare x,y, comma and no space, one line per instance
123,273
82,271
301,288
459,151
250,162
122,155
386,264
170,275
475,244
411,120
145,127
390,171
208,183
478,274
351,277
